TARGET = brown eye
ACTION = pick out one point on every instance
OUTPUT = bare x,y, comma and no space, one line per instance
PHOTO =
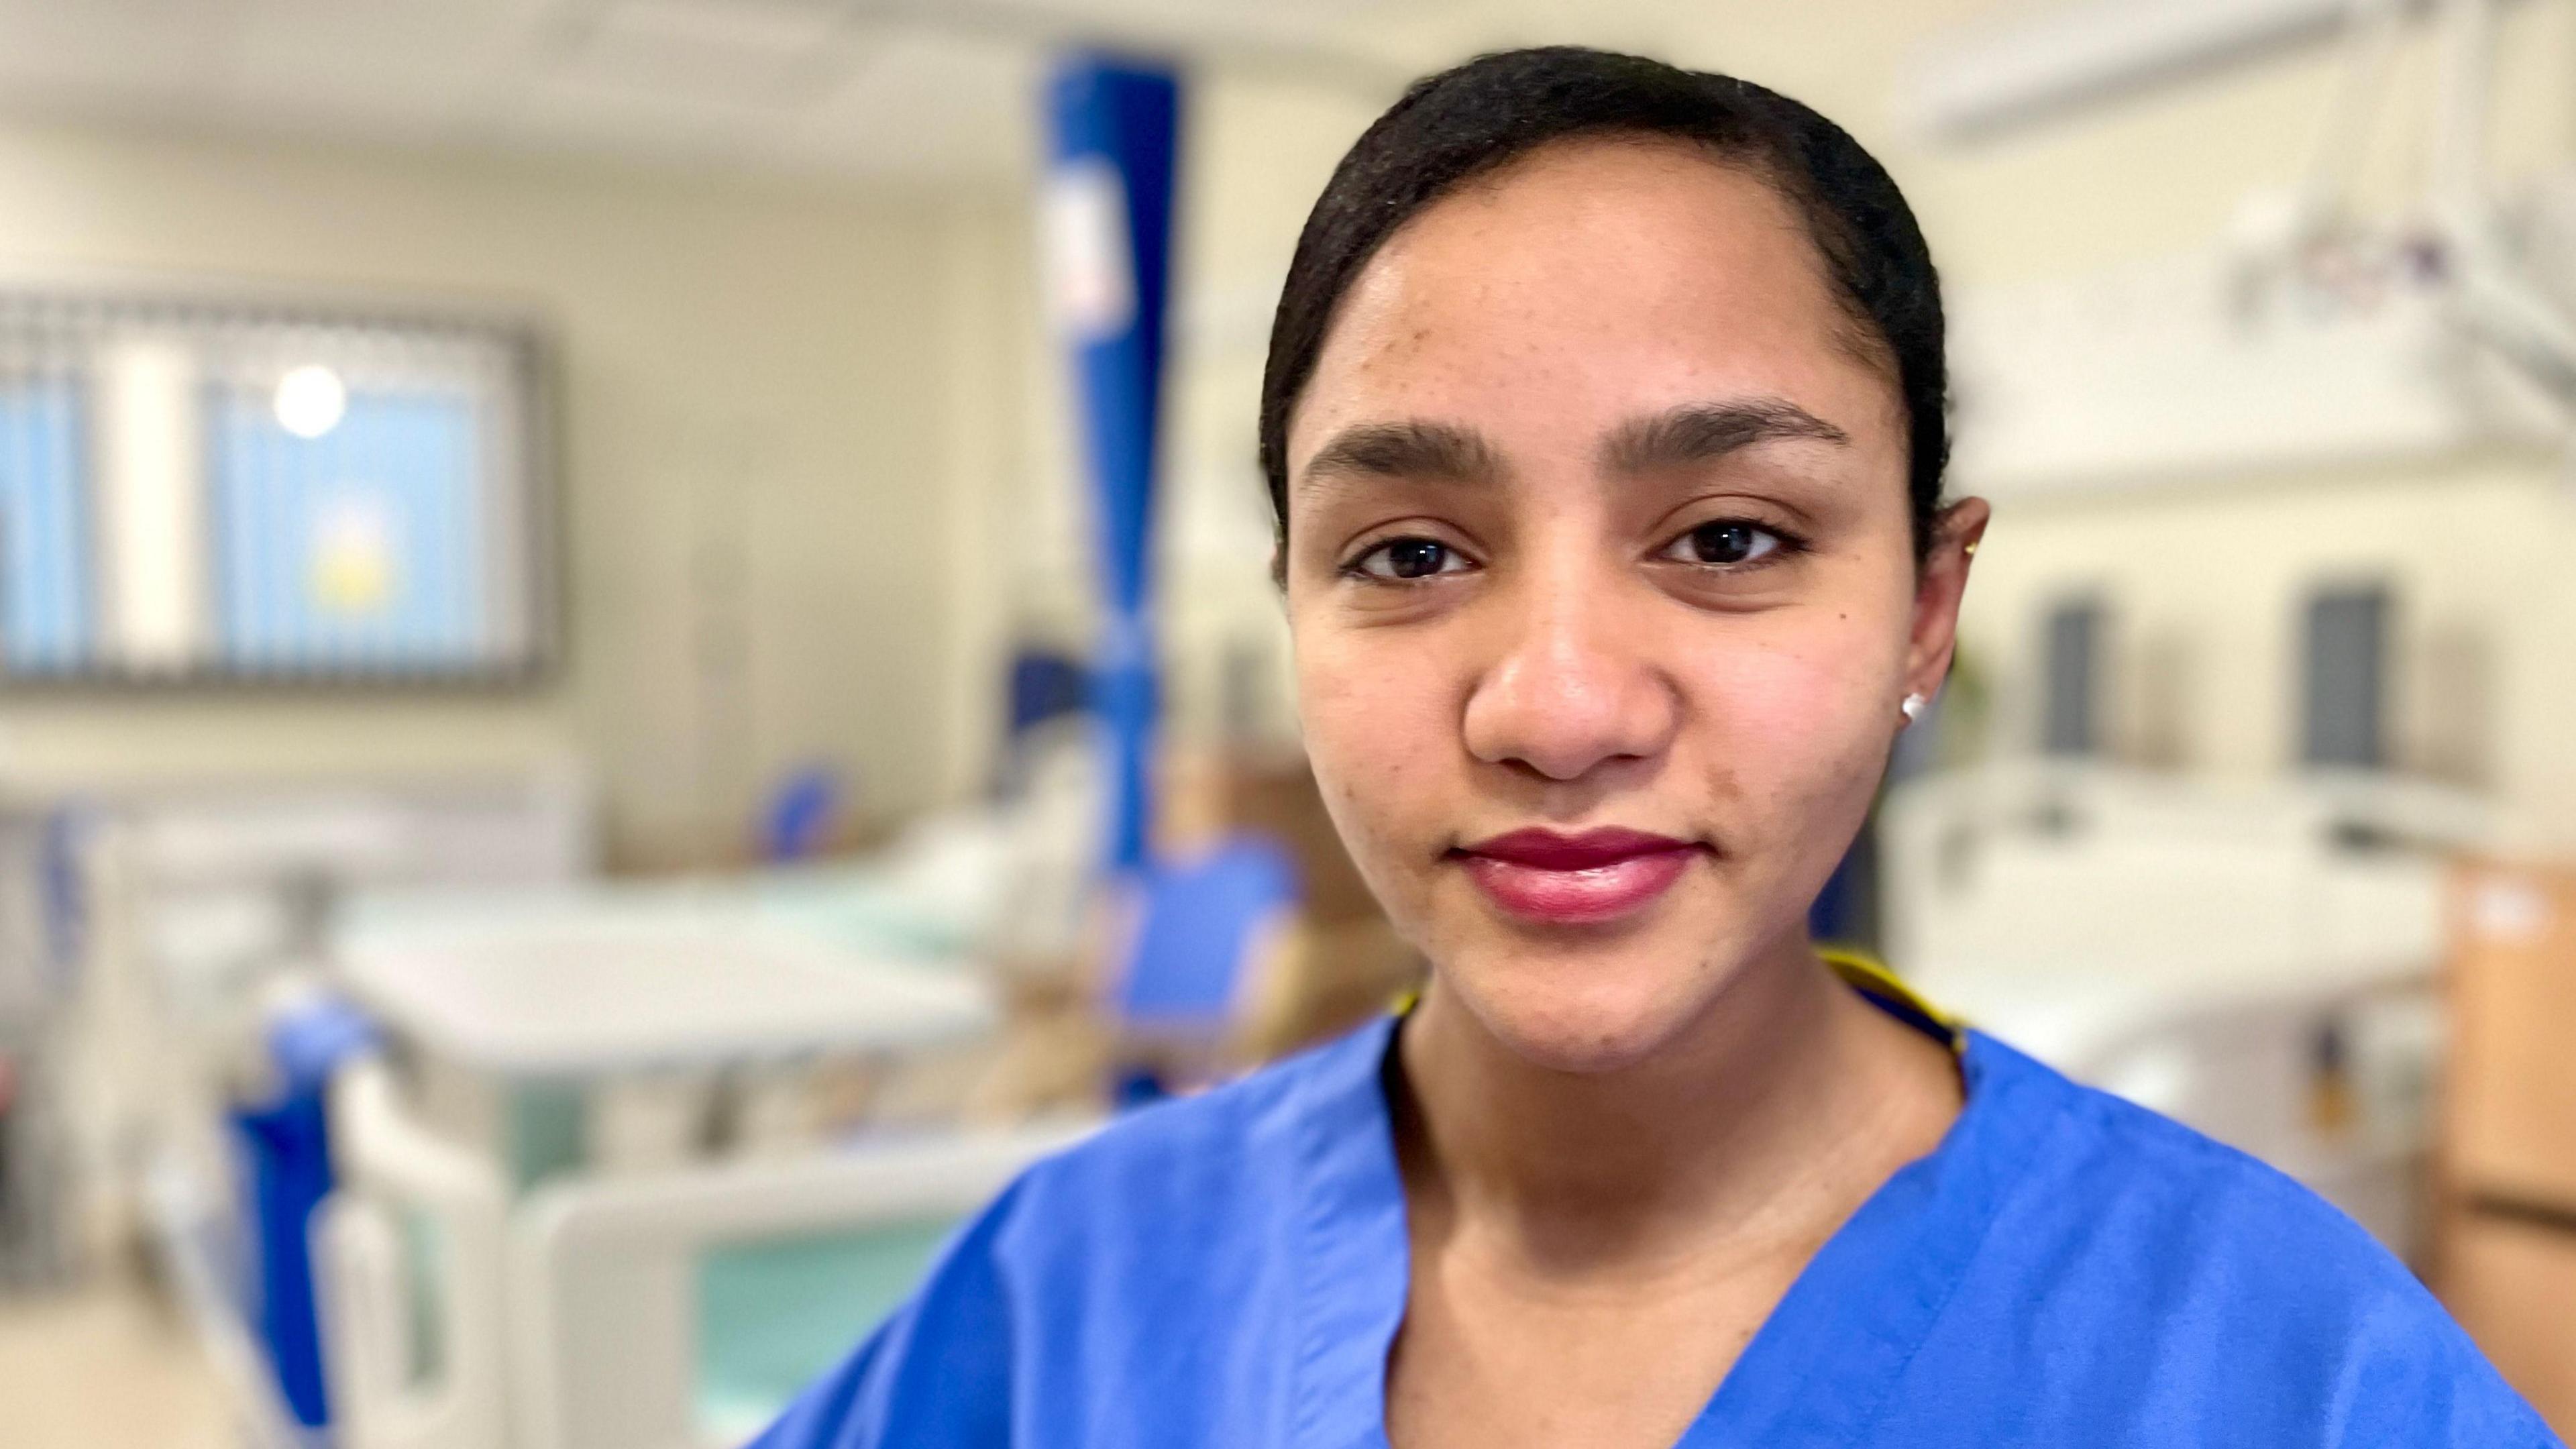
1723,542
1409,558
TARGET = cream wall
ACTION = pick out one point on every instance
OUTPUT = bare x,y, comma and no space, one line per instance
774,404
2207,582
2207,574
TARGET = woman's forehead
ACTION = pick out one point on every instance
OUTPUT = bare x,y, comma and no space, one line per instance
1585,285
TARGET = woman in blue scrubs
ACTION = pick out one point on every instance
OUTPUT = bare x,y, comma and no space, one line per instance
1604,422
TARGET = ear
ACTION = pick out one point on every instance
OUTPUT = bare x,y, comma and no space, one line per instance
1938,587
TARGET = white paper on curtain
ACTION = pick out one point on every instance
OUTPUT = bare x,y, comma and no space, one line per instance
200,490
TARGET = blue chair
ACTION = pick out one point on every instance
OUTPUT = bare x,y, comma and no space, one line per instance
801,816
1198,922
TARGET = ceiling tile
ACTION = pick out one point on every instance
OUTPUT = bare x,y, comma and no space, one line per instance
150,54
923,105
760,53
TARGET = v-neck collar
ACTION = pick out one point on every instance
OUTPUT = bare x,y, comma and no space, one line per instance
1355,1259
1816,1373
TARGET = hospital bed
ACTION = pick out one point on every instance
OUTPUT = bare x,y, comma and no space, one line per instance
673,1310
2254,958
633,1283
687,1310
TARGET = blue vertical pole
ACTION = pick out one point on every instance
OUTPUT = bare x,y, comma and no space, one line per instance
1113,137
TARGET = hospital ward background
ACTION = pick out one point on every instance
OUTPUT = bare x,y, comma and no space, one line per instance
637,654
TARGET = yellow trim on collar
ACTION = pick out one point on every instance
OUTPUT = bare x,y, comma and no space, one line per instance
1870,977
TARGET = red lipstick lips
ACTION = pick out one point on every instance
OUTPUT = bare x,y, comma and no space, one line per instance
1557,879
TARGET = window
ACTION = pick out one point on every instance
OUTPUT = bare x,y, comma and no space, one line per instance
2071,671
45,589
198,490
2345,676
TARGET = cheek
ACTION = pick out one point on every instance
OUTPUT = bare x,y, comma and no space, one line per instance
1381,731
1798,724
1800,696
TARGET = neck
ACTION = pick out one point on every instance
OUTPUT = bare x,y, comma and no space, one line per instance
1769,1119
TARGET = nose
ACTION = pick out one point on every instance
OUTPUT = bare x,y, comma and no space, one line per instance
1572,685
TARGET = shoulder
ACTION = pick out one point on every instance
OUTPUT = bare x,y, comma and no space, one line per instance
2128,1240
2140,1184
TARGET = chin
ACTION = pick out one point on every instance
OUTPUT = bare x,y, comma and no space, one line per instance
1586,1008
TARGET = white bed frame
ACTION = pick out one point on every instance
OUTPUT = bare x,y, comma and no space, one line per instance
568,1319
603,1333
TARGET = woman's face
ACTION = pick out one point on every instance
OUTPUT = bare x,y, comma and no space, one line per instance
1603,588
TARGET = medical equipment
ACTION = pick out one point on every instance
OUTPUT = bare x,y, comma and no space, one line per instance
198,897
2235,954
2491,295
287,1175
204,1257
198,906
36,1188
2035,66
2310,335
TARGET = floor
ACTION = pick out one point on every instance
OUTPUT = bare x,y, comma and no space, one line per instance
105,1365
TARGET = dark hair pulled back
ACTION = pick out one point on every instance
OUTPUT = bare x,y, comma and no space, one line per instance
1471,120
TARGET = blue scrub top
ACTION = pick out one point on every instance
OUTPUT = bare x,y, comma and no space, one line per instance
2064,1269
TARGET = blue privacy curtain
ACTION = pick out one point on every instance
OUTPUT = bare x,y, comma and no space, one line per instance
1113,131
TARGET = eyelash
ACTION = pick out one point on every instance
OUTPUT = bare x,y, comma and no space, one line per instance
1785,545
1356,566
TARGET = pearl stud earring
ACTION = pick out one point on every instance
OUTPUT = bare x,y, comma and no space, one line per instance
1912,707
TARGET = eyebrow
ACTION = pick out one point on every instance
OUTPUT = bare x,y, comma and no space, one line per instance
1704,432
1409,449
